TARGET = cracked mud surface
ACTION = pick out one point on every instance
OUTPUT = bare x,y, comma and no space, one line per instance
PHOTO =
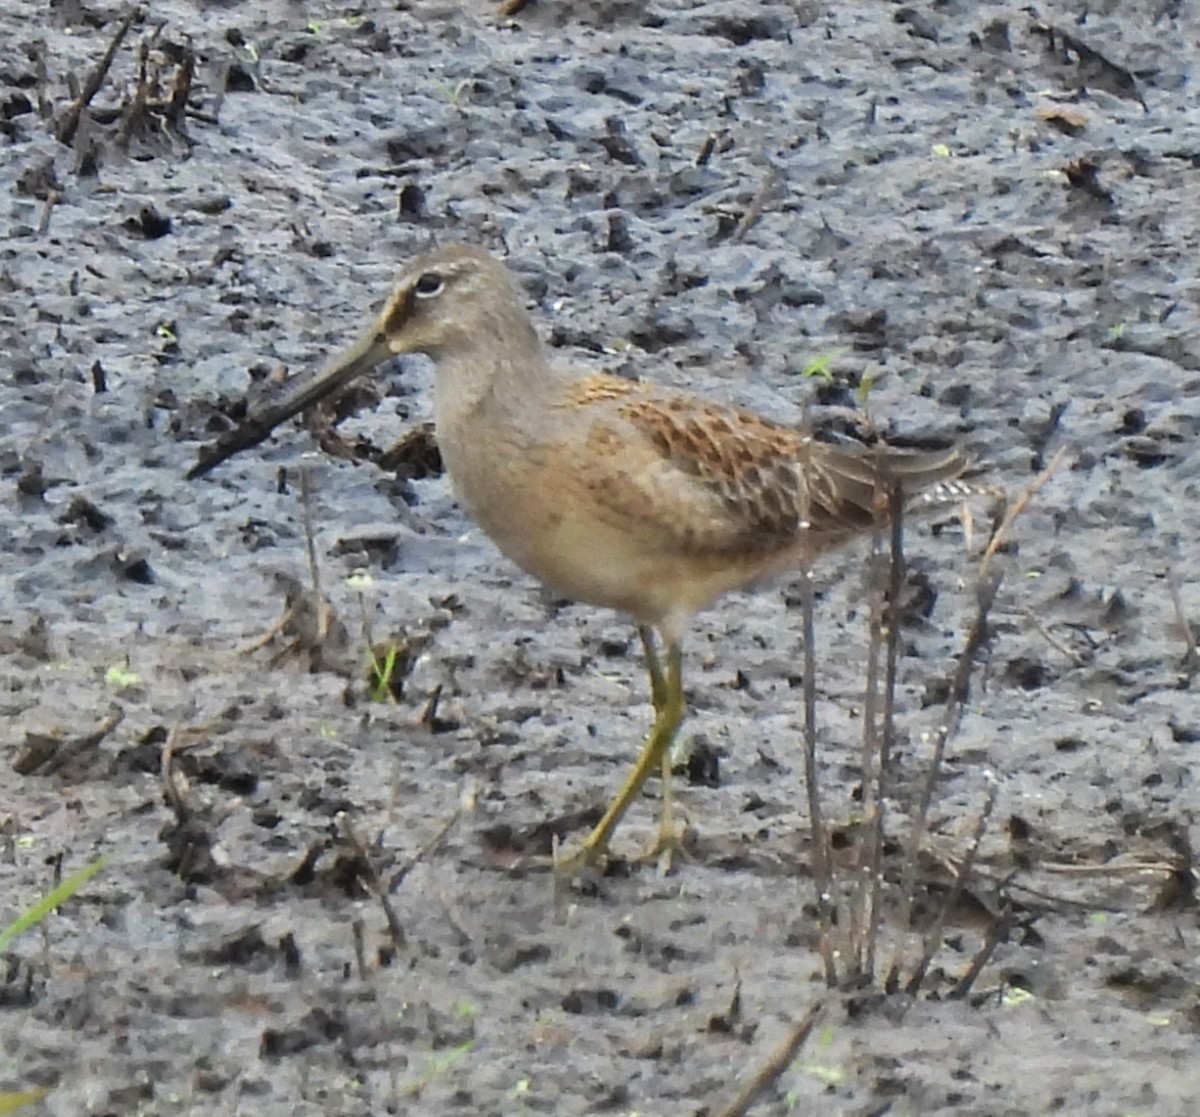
991,218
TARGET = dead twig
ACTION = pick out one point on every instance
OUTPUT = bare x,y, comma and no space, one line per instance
308,618
370,877
70,120
190,837
776,1063
1191,659
137,111
41,79
1122,869
52,199
429,715
997,933
172,790
866,908
324,612
1000,535
757,204
181,90
959,690
821,872
305,621
1074,658
358,934
439,836
933,936
46,753
987,589
887,739
152,113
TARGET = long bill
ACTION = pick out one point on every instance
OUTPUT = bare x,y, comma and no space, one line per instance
371,349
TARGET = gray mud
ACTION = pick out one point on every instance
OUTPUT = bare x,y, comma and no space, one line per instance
997,225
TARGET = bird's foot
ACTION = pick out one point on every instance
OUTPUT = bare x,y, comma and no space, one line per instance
674,842
579,866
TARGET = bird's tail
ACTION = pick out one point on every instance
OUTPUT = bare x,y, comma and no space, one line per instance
852,484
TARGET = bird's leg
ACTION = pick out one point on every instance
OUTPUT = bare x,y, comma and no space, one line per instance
669,842
671,709
658,684
666,690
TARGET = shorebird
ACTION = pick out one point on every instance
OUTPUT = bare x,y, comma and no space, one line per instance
610,491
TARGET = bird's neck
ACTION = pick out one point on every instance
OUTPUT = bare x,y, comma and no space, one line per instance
489,374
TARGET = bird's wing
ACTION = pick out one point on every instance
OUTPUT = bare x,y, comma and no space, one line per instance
706,478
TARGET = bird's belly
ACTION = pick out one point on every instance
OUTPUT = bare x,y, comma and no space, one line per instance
586,560
541,519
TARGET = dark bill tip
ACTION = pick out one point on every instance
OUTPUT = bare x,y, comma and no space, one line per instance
368,352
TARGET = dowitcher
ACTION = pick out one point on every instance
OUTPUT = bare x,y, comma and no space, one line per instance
610,491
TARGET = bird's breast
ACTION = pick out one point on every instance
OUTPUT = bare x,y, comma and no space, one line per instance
537,511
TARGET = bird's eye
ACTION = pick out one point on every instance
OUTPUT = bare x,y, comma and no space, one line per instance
429,285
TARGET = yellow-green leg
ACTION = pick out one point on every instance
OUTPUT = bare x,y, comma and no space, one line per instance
666,692
658,684
669,841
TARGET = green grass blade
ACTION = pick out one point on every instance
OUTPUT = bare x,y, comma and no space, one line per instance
11,1102
49,902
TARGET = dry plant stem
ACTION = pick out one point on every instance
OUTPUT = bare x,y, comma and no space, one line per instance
172,792
368,636
310,546
395,930
264,638
357,930
1073,658
777,1062
42,80
895,587
933,937
816,818
52,199
895,579
986,596
861,915
181,88
757,204
989,585
871,743
1060,903
864,918
85,147
136,113
425,850
1191,660
429,713
1000,535
70,121
997,933
219,83
47,753
1109,870
199,737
